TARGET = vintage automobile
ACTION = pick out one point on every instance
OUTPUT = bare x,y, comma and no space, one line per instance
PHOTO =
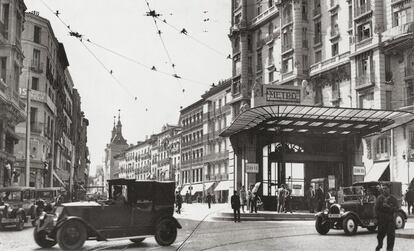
145,209
45,199
355,208
17,206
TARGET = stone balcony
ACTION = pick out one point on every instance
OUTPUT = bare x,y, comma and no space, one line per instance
329,63
398,31
263,16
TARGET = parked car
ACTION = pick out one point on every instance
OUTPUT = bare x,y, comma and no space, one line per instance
45,199
144,208
356,207
17,206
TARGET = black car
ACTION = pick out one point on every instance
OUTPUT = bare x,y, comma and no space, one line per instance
356,207
144,208
16,206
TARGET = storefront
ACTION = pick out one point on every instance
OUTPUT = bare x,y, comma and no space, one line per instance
295,144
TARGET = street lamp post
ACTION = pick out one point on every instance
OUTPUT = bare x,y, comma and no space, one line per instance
27,181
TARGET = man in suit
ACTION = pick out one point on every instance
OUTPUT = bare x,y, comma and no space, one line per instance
310,199
235,205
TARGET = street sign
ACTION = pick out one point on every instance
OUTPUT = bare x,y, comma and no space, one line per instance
252,168
359,170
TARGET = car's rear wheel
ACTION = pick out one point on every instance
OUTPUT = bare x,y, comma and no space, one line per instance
137,240
72,235
321,226
20,222
399,221
349,225
40,239
372,228
166,232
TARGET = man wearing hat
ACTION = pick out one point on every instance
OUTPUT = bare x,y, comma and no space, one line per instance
235,205
385,207
118,197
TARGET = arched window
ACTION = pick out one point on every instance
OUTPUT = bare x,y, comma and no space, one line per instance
270,29
259,35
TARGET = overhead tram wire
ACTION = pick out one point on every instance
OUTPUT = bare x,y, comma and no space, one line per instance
80,38
153,14
164,21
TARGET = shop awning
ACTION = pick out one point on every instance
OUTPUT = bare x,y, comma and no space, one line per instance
376,171
207,185
184,190
196,188
315,119
224,185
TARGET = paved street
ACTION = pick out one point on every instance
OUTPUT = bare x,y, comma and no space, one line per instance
211,235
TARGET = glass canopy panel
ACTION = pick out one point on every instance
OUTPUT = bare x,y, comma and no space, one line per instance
330,124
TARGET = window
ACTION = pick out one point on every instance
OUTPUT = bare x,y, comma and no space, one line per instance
5,20
270,29
18,27
259,9
335,49
35,84
382,145
318,33
318,56
270,3
366,101
33,114
305,62
334,25
37,34
388,100
270,76
3,68
259,61
287,65
304,10
237,65
401,17
304,37
36,58
271,61
364,31
259,38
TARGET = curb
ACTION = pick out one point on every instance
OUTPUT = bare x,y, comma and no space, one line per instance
261,219
405,235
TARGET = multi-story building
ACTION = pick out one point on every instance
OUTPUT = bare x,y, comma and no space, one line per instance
175,155
192,149
39,46
116,146
332,59
217,117
164,169
12,109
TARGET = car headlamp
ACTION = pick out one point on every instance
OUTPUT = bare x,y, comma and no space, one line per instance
325,211
42,216
342,210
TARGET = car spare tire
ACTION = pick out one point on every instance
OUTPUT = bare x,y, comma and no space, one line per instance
321,226
72,235
166,232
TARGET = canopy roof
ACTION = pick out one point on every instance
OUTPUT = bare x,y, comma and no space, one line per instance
315,119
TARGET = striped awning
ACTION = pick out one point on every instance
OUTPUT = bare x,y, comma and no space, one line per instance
315,119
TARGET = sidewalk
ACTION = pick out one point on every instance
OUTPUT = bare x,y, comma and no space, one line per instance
227,215
407,232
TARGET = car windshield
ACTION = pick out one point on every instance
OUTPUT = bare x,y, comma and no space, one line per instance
353,193
44,195
12,196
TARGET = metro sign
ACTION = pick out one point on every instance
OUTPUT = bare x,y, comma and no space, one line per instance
276,94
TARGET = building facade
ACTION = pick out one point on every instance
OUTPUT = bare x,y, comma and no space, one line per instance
217,117
12,108
192,149
343,57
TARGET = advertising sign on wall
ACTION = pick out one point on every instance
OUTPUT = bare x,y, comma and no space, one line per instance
252,168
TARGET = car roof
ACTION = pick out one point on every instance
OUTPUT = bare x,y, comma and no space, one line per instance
16,188
49,189
133,181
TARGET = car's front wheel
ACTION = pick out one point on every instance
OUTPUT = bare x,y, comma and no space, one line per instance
349,225
166,232
137,240
321,226
399,221
72,235
40,239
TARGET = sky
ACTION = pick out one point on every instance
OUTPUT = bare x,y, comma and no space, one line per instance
147,99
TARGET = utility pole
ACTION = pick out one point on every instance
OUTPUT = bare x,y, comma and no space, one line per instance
28,128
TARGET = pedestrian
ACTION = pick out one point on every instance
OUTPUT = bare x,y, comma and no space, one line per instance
319,197
385,208
288,200
249,198
187,197
330,197
235,205
310,198
208,198
255,200
178,202
243,197
282,197
409,198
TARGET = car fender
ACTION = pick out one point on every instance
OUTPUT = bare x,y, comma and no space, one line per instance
177,224
350,213
403,213
319,214
89,227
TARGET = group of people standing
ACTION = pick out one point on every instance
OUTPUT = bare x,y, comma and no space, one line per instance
316,198
249,199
